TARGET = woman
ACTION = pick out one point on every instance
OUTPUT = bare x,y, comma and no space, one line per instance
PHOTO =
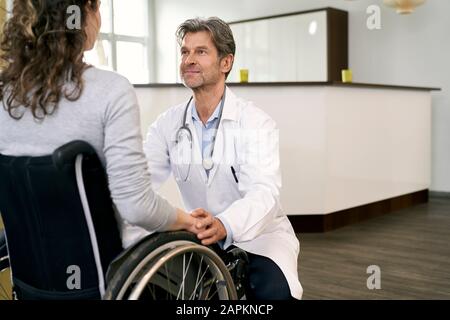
50,97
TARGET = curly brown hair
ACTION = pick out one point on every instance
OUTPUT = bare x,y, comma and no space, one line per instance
41,55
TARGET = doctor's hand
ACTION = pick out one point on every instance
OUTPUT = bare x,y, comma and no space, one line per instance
212,229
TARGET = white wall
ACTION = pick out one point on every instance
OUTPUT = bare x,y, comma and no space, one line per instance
408,50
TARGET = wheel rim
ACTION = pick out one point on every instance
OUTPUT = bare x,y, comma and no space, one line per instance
196,272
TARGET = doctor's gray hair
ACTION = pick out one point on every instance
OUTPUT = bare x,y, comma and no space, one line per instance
220,32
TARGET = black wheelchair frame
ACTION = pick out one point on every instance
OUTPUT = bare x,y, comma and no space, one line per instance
59,220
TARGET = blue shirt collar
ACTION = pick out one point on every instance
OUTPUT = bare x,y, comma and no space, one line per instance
214,116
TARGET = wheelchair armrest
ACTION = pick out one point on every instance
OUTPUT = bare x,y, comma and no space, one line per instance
67,153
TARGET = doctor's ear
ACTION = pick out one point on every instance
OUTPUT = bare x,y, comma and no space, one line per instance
226,63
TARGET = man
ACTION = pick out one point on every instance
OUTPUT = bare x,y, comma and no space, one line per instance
223,152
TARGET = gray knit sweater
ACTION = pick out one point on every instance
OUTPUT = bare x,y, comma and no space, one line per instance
107,116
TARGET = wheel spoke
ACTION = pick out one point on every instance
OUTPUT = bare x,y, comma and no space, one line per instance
184,274
168,282
196,280
196,285
152,291
217,289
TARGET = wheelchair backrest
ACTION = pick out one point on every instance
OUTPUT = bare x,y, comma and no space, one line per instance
59,246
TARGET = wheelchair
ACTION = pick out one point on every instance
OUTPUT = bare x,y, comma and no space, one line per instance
61,240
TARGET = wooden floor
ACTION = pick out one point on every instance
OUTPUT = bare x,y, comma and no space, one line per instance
411,247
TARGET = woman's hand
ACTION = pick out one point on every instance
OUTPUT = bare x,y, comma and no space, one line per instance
191,223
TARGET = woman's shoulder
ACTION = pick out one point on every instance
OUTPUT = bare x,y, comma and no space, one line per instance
109,80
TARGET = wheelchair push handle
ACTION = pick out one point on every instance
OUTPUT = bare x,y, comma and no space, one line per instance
67,153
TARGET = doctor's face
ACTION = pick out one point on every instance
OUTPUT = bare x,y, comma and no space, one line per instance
200,64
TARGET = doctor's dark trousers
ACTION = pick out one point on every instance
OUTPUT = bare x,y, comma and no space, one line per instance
266,281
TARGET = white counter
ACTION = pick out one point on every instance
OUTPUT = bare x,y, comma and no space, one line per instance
341,146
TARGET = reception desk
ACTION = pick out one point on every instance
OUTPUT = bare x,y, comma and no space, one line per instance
348,151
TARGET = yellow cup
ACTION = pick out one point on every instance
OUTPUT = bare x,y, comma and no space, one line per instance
243,75
347,75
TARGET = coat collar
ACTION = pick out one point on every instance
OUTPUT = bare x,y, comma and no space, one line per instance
230,108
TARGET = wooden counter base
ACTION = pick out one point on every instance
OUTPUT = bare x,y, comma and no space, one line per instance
334,220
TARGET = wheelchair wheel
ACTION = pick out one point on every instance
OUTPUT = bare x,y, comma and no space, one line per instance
171,266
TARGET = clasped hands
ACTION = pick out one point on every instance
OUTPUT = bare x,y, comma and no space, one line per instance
208,228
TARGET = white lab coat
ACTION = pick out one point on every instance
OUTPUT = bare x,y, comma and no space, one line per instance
247,139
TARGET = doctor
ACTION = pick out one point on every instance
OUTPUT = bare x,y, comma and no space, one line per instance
223,153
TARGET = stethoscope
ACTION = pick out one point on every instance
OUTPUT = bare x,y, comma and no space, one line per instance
185,133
